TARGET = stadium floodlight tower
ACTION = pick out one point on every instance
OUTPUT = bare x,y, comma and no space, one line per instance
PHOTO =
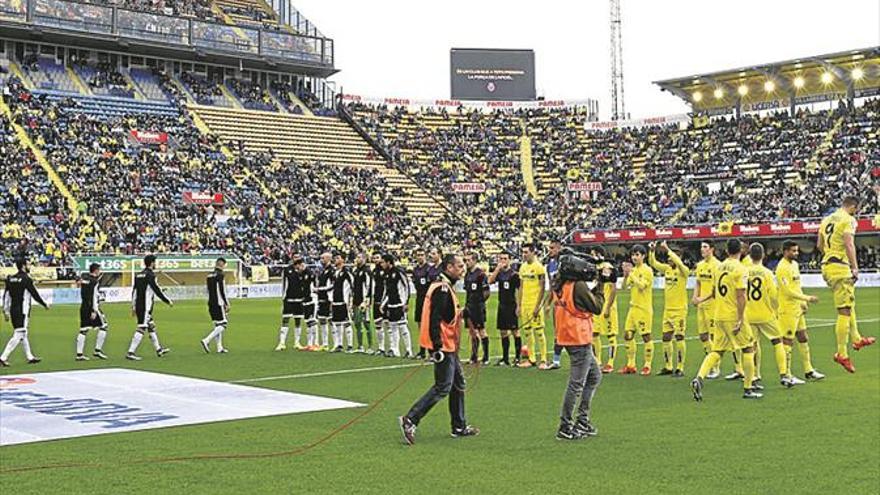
618,110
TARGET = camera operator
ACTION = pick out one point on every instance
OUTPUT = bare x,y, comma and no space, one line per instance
575,303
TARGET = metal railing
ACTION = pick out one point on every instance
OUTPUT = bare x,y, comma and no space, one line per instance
69,15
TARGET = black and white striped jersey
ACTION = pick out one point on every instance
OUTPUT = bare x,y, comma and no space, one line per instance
20,291
342,286
89,292
145,291
396,288
216,284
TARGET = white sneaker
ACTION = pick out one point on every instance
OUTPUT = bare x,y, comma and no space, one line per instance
733,376
795,380
81,357
814,376
715,373
280,347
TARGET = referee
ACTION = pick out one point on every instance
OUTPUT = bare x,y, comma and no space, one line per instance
440,333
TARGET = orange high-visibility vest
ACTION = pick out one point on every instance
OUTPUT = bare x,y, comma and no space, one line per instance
449,332
573,326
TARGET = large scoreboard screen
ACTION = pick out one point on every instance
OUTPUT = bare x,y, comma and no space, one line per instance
492,74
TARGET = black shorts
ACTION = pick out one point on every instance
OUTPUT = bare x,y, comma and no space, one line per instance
377,313
323,309
19,320
144,317
308,311
339,313
218,314
476,315
86,320
395,314
292,308
507,318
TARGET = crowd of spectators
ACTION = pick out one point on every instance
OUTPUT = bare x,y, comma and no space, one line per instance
252,95
198,9
106,76
205,91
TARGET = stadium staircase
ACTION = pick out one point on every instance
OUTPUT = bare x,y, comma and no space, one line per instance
77,81
827,141
15,69
26,141
525,161
312,139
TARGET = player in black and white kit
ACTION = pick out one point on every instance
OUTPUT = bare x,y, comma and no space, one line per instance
394,306
19,293
421,280
299,304
90,315
325,285
218,306
379,321
340,305
143,296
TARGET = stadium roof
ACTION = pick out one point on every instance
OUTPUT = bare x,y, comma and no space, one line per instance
771,85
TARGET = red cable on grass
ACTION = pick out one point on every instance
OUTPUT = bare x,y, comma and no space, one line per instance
222,456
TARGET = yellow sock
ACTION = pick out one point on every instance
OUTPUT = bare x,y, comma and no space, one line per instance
681,351
612,349
649,353
707,346
542,344
668,349
854,335
787,349
737,361
758,357
748,360
841,331
630,346
709,362
804,349
597,348
779,354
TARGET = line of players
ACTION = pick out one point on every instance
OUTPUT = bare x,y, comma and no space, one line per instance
737,301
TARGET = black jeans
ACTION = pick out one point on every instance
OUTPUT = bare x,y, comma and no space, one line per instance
448,380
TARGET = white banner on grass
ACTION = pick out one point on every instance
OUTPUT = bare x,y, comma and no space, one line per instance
68,404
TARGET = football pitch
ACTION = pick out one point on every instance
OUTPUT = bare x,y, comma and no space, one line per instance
653,438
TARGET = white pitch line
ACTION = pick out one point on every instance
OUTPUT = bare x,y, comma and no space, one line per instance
423,363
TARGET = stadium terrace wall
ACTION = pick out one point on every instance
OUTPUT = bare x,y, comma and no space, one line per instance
701,232
102,27
450,104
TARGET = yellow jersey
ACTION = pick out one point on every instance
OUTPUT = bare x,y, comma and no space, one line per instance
747,261
641,285
705,273
833,227
791,297
607,287
530,274
728,278
675,274
761,295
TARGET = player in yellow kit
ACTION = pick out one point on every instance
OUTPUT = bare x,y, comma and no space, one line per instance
639,278
732,332
792,306
704,301
762,299
840,269
533,276
606,323
675,309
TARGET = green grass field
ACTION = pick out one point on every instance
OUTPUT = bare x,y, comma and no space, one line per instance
817,438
